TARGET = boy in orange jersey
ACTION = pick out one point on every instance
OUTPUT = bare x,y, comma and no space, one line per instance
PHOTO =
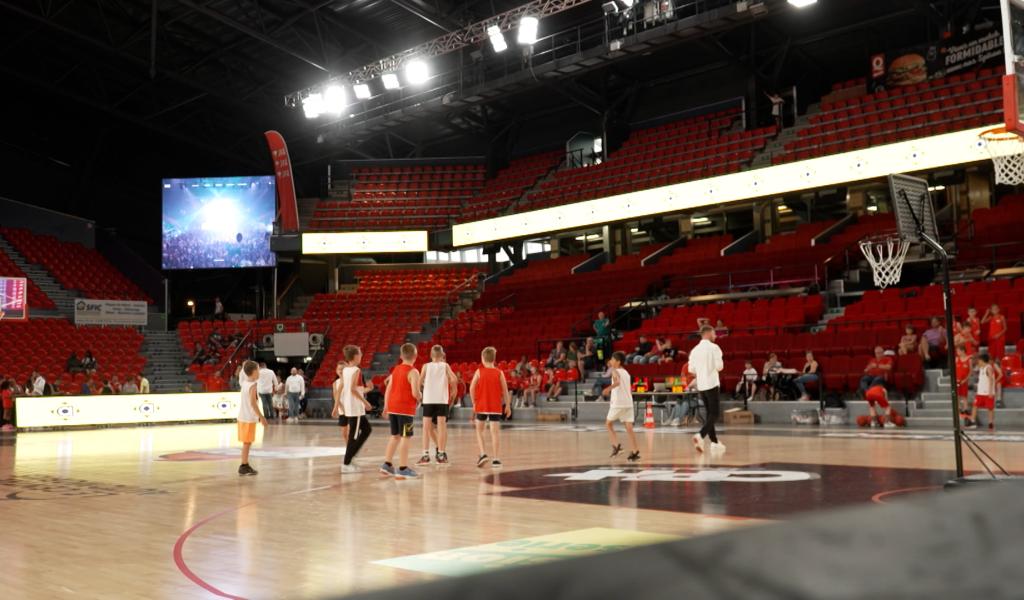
400,401
963,373
489,392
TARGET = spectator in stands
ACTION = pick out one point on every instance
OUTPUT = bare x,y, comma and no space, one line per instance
522,368
721,329
877,371
73,364
88,387
777,103
747,385
809,374
933,344
642,349
532,387
115,384
667,353
587,357
106,389
572,356
685,411
909,342
130,386
603,331
295,387
962,336
556,360
974,324
555,387
218,310
770,374
996,333
38,386
89,364
143,383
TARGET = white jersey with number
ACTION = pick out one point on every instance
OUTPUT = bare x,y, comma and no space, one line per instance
985,379
435,383
622,394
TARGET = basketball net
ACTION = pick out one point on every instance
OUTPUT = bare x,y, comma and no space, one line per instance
1006,149
885,255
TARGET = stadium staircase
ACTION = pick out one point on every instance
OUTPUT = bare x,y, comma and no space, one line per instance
299,306
62,298
167,361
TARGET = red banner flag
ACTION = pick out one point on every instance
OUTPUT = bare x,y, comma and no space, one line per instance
287,208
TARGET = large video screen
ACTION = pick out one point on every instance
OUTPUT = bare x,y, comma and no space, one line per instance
218,222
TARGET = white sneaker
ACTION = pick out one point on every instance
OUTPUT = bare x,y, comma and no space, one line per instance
674,423
349,469
717,448
698,443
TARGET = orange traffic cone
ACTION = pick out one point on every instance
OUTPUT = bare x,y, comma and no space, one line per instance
649,416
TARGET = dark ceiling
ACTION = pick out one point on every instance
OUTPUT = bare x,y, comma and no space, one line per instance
105,97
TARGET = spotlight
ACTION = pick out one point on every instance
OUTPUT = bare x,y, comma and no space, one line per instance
610,7
627,3
527,31
313,105
802,3
416,72
334,100
497,40
390,81
362,91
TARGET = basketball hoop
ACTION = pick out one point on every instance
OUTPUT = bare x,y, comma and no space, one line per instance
885,254
1007,152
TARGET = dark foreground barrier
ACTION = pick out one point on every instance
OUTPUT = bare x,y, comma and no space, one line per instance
967,543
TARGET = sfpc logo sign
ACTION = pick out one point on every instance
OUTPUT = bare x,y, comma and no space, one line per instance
88,307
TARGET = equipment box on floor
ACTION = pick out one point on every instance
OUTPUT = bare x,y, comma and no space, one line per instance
739,417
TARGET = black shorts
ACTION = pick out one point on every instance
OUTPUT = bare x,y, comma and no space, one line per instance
488,417
401,425
342,421
433,411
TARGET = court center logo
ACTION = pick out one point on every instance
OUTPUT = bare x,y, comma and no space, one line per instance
765,490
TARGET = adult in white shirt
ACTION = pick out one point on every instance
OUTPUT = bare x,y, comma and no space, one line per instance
38,384
265,384
705,364
295,387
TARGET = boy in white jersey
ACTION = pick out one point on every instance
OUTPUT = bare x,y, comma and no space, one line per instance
339,410
248,414
353,403
985,396
621,408
439,387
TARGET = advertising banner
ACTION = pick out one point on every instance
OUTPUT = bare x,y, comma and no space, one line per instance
929,61
287,207
110,312
73,411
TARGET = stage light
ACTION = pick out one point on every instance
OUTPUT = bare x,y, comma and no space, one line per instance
190,303
527,30
610,7
802,3
598,145
313,105
390,81
416,72
497,40
700,220
627,3
362,91
334,100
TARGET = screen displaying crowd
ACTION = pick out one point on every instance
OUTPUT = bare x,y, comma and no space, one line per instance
218,222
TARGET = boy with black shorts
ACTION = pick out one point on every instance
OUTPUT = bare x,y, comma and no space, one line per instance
439,387
354,406
489,392
400,400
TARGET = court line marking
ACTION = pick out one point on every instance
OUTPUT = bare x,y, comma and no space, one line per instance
179,544
877,498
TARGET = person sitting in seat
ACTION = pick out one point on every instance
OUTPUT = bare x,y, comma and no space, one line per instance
877,371
556,360
587,358
89,364
73,365
643,348
933,344
685,412
909,342
667,352
747,385
770,375
809,374
522,368
721,329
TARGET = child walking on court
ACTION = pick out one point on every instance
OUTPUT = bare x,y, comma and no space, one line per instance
248,414
985,397
489,391
400,399
439,388
354,407
621,406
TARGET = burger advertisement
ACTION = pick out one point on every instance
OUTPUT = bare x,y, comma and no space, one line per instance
921,63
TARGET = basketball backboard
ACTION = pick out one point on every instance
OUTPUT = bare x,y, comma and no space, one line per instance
1013,50
912,205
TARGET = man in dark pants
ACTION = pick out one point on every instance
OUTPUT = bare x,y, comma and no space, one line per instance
705,364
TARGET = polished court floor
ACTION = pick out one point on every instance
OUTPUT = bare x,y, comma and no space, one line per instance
159,512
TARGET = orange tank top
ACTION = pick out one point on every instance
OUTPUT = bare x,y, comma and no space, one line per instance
400,399
488,391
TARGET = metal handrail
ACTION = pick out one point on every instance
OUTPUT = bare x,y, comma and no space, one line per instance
231,358
771,282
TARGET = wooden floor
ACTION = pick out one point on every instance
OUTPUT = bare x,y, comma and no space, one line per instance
160,512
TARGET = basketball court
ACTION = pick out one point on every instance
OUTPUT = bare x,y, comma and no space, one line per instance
166,506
